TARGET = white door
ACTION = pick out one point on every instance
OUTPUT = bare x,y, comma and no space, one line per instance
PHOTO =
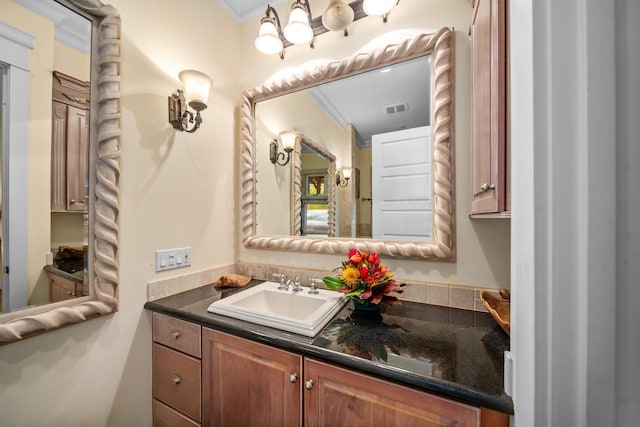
401,185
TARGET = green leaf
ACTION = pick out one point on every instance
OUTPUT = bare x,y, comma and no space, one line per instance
333,282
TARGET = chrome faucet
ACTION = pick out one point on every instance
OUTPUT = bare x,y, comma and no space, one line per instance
296,286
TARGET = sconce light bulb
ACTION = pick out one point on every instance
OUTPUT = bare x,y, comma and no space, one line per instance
268,41
338,16
298,30
378,7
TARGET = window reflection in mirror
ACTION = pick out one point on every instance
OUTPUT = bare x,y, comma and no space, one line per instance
49,264
374,123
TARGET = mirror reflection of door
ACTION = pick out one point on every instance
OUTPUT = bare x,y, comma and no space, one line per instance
50,264
401,185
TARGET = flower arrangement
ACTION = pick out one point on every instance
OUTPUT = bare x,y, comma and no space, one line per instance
365,279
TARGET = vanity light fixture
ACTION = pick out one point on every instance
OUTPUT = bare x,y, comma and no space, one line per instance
343,180
196,92
302,28
288,140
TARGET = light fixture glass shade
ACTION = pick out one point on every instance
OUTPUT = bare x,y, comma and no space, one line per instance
268,41
288,140
338,16
196,88
378,7
298,30
346,173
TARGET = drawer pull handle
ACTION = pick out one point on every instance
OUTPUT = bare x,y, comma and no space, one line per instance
293,378
176,379
308,384
175,334
486,187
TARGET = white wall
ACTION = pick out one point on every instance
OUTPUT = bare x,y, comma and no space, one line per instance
176,190
576,237
482,245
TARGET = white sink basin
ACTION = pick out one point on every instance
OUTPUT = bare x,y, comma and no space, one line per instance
301,312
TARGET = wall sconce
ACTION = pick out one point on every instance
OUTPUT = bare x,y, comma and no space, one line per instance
196,92
338,16
288,140
343,181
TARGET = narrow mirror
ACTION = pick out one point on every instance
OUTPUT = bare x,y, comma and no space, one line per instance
60,150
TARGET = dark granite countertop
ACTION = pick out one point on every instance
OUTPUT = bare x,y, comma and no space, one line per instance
72,269
452,352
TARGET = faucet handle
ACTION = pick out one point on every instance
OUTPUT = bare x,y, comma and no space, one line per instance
314,290
282,277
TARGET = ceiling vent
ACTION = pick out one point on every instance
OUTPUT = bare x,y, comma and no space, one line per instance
396,108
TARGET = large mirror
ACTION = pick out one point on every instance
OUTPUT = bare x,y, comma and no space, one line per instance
60,129
385,117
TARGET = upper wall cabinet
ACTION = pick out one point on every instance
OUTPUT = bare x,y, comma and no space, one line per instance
490,168
69,143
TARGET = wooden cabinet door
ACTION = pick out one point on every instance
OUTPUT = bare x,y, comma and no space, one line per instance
339,397
249,384
77,168
488,118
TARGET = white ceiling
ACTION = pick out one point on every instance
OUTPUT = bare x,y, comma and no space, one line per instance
71,28
364,99
242,10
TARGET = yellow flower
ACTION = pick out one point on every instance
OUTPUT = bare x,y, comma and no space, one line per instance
350,275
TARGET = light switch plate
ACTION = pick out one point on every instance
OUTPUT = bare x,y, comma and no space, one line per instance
167,259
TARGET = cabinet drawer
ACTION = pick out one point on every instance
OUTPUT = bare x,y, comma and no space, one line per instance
177,334
176,380
165,416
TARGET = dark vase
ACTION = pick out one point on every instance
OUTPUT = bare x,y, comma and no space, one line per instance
366,312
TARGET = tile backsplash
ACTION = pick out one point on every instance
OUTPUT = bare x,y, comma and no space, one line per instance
449,295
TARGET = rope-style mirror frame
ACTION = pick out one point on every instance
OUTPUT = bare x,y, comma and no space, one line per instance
442,247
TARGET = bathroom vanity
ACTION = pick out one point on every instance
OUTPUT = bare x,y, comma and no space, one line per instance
423,365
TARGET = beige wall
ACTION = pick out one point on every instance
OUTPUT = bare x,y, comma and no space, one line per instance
177,190
482,244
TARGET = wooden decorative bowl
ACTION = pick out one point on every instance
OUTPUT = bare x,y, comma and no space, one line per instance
499,307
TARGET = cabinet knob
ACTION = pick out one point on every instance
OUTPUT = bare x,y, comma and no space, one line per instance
308,384
487,187
176,379
175,334
293,378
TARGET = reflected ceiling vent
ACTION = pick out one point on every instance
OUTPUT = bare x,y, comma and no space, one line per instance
396,108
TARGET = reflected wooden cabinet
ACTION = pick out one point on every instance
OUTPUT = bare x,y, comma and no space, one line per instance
69,143
62,288
490,145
